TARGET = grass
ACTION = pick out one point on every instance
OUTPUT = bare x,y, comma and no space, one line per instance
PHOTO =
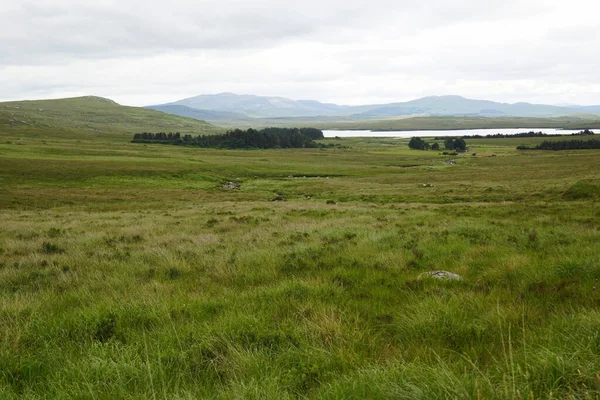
87,115
447,123
581,121
129,271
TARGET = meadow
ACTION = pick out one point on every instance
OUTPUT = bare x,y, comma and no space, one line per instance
134,271
431,123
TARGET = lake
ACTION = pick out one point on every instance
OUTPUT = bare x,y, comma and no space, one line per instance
458,132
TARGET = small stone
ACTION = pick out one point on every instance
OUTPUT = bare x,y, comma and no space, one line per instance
445,275
231,185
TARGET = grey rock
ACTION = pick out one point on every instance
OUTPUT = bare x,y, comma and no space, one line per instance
231,185
445,275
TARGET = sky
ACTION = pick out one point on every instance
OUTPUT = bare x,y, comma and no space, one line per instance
340,51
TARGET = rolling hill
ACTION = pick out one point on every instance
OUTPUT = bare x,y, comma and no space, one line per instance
91,114
259,106
460,106
240,107
207,115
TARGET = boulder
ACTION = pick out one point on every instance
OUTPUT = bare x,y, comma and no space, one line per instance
445,275
231,185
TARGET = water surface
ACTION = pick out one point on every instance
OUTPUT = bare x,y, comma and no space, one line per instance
457,132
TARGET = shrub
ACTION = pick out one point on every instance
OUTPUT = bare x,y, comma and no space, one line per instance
55,232
106,328
417,143
174,273
50,248
582,191
211,223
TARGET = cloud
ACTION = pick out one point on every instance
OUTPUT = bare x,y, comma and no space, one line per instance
344,51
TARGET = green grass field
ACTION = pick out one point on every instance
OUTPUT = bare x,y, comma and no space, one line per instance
87,115
128,271
581,121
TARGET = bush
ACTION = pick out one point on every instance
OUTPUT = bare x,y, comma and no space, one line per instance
105,328
582,191
455,144
565,145
50,248
417,143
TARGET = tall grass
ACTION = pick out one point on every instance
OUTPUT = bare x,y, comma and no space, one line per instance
125,279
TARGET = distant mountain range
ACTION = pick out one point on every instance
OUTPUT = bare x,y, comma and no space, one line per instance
230,106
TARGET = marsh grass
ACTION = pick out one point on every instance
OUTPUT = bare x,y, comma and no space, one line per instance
115,287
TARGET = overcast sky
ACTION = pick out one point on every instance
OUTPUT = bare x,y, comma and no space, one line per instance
343,51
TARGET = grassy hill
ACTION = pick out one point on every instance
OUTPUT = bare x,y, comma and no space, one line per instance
449,123
91,114
581,121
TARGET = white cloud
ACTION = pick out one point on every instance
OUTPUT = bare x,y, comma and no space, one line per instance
342,51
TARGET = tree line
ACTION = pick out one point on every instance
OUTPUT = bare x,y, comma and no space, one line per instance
457,144
504,135
518,135
267,138
565,145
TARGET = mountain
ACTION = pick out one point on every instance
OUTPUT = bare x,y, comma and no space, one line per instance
460,106
91,114
589,109
258,106
210,115
252,106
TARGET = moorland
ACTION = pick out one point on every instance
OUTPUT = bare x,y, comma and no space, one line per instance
138,270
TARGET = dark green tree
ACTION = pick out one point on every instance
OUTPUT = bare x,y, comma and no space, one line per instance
460,145
417,143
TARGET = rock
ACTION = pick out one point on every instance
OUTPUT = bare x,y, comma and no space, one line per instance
445,275
450,162
231,185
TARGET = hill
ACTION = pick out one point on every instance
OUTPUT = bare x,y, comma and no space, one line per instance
260,106
465,122
91,114
207,115
460,106
589,109
279,107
